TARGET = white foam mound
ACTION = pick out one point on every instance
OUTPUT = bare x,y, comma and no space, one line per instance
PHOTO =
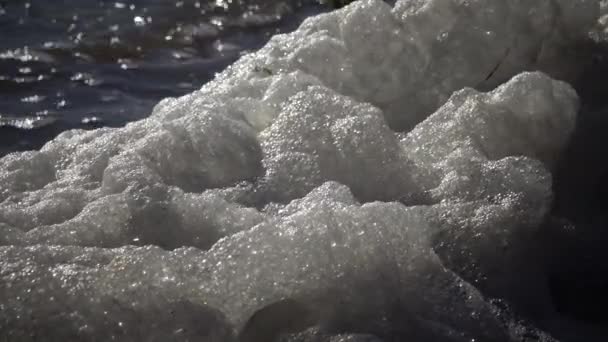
312,177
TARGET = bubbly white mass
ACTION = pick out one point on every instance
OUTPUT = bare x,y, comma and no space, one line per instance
380,167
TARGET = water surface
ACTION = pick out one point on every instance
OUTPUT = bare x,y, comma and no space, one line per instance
90,63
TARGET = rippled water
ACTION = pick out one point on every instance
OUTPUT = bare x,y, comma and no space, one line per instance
89,63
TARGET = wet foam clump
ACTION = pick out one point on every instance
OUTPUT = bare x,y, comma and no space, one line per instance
408,60
69,293
334,260
309,192
341,136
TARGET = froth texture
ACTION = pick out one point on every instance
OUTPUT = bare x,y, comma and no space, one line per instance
376,174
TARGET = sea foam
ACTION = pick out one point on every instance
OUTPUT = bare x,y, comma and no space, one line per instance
379,171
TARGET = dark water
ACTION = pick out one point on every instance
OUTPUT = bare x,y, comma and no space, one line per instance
89,63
